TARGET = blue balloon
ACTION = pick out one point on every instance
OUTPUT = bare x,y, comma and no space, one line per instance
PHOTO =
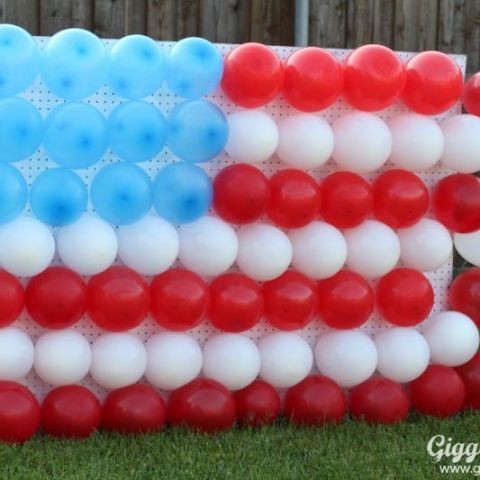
182,193
58,197
197,131
21,128
137,131
195,68
138,67
19,60
13,193
121,193
74,64
75,135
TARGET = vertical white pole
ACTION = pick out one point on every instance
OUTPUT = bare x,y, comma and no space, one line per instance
301,23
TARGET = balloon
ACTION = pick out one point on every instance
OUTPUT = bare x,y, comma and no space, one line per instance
464,295
138,67
253,75
363,142
236,303
425,246
253,136
257,405
11,298
286,359
58,197
471,95
197,131
346,199
290,301
137,131
208,246
305,141
134,409
345,300
434,83
26,247
138,245
19,413
294,200
316,400
88,246
240,193
16,354
264,251
75,135
71,412
348,357
313,79
173,360
118,299
178,299
21,128
373,249
466,244
403,354
439,392
203,405
195,67
470,374
374,78
13,192
182,193
118,360
452,337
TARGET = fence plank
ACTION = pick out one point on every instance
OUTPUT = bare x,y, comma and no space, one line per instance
451,21
472,35
187,18
328,22
24,13
383,22
272,22
109,18
82,14
161,19
359,22
136,17
55,15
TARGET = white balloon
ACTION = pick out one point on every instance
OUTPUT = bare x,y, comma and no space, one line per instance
231,359
264,251
173,360
403,354
286,359
452,337
306,140
149,246
252,136
208,246
425,246
362,142
417,141
462,143
468,246
118,360
347,356
26,247
16,354
373,249
88,246
62,357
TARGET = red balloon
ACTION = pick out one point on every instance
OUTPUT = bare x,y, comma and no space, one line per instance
204,405
456,202
470,373
118,299
257,405
439,391
379,400
295,199
347,199
134,409
291,301
236,303
316,400
11,298
313,79
404,297
56,298
400,198
465,294
179,299
19,413
71,412
471,95
434,83
240,193
374,78
345,300
252,75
